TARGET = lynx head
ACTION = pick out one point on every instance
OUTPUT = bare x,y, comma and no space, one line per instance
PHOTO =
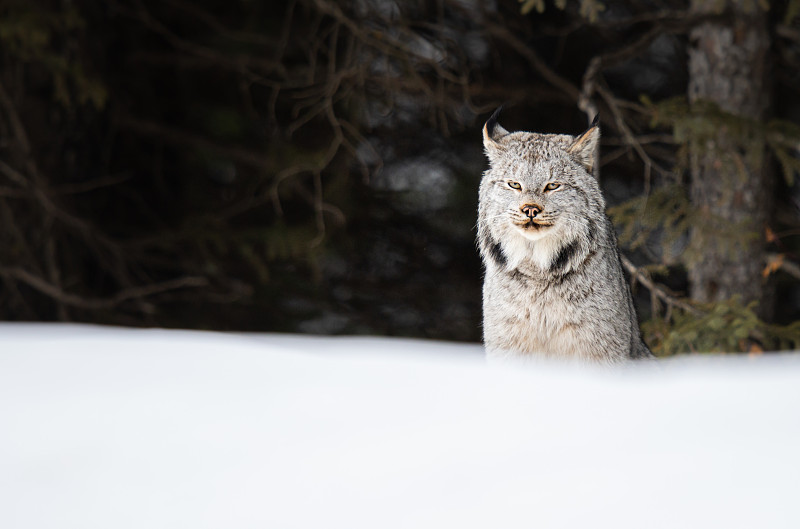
539,195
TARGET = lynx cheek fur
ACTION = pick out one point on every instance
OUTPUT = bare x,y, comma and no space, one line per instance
554,284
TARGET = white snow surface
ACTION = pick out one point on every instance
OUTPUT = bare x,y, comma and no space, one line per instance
121,428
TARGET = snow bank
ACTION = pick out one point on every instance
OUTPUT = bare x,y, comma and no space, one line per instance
118,428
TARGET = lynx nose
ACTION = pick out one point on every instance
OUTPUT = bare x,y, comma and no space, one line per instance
531,210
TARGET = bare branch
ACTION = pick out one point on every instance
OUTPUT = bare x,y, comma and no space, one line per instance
88,303
180,137
502,32
13,175
659,291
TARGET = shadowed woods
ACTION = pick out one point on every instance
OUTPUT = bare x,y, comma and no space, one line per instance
312,166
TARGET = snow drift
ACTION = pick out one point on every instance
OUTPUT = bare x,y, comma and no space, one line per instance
120,428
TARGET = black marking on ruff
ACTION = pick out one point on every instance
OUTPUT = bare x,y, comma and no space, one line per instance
496,253
564,255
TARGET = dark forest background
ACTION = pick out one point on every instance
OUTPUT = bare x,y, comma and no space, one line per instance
312,165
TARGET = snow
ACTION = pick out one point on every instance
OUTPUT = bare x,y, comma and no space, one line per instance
122,428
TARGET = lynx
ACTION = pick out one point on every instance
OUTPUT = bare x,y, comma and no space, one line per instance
553,281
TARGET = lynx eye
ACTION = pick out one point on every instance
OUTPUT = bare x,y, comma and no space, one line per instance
515,185
551,186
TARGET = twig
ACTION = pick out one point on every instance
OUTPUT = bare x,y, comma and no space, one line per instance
501,32
179,137
243,63
13,175
626,131
91,185
659,291
74,300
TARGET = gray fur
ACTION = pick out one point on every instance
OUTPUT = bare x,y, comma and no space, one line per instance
557,289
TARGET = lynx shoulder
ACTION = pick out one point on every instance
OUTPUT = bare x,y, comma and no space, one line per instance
553,282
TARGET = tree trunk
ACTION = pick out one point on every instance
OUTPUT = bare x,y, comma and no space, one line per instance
729,169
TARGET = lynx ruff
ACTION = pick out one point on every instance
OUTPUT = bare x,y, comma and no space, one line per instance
553,283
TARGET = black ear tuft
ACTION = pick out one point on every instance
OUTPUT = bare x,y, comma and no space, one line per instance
595,121
492,122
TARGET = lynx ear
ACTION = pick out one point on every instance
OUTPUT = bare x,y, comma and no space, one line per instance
492,133
584,147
